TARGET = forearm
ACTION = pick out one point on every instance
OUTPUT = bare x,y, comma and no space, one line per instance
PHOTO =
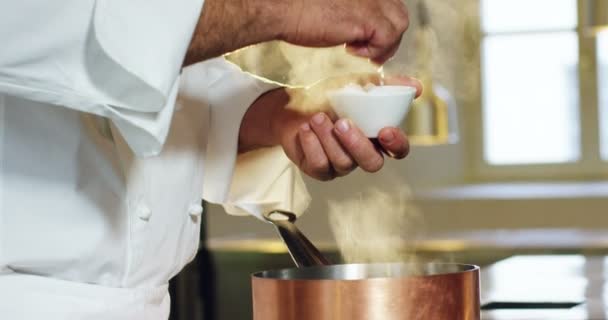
228,25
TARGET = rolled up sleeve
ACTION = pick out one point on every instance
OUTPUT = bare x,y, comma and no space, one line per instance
251,183
263,181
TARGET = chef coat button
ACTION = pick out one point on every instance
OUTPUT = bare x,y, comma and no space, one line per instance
196,210
144,213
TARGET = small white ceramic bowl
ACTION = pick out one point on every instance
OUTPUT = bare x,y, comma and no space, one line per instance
373,109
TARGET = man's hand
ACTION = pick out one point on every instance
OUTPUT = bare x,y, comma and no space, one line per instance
370,28
320,146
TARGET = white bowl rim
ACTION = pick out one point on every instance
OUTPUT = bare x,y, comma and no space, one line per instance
386,90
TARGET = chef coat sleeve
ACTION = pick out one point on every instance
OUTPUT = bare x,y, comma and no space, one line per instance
114,58
252,183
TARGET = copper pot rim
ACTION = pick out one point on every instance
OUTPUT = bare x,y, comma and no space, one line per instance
281,274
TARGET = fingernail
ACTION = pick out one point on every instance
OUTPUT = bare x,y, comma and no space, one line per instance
305,127
362,51
420,86
365,52
388,137
318,118
343,125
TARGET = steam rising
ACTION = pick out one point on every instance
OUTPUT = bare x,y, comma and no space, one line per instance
300,67
376,226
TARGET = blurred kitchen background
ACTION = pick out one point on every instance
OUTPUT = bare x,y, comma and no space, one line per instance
518,166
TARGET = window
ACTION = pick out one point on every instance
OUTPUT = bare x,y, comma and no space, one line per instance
529,74
536,108
530,98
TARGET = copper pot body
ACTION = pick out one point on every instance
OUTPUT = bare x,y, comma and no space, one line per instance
358,292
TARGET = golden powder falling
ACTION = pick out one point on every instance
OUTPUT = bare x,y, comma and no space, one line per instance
308,73
376,226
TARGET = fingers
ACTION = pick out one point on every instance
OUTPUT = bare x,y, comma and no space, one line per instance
388,54
315,162
384,41
360,49
327,150
382,45
394,142
389,27
339,159
398,14
358,146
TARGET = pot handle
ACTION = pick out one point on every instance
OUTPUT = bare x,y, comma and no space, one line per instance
301,250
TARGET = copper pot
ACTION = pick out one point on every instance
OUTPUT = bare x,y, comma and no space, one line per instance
317,291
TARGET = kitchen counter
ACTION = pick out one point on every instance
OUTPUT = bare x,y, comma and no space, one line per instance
481,247
512,240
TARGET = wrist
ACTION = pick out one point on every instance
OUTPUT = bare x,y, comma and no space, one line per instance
262,124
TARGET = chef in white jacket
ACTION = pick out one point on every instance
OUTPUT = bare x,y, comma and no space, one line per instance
107,144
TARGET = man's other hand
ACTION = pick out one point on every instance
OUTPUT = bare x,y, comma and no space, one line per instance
321,146
369,28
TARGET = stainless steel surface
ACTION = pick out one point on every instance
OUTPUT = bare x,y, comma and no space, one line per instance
301,250
568,287
381,291
365,271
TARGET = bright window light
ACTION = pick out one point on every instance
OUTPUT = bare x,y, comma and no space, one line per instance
528,15
530,93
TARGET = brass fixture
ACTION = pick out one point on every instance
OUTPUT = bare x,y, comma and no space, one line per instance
595,16
432,119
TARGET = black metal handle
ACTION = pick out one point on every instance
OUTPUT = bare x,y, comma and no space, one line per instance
302,251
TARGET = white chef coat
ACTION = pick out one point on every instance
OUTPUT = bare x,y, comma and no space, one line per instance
106,151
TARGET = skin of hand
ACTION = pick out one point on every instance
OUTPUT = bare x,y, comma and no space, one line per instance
370,28
320,145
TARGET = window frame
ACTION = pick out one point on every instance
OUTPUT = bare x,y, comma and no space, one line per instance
590,165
